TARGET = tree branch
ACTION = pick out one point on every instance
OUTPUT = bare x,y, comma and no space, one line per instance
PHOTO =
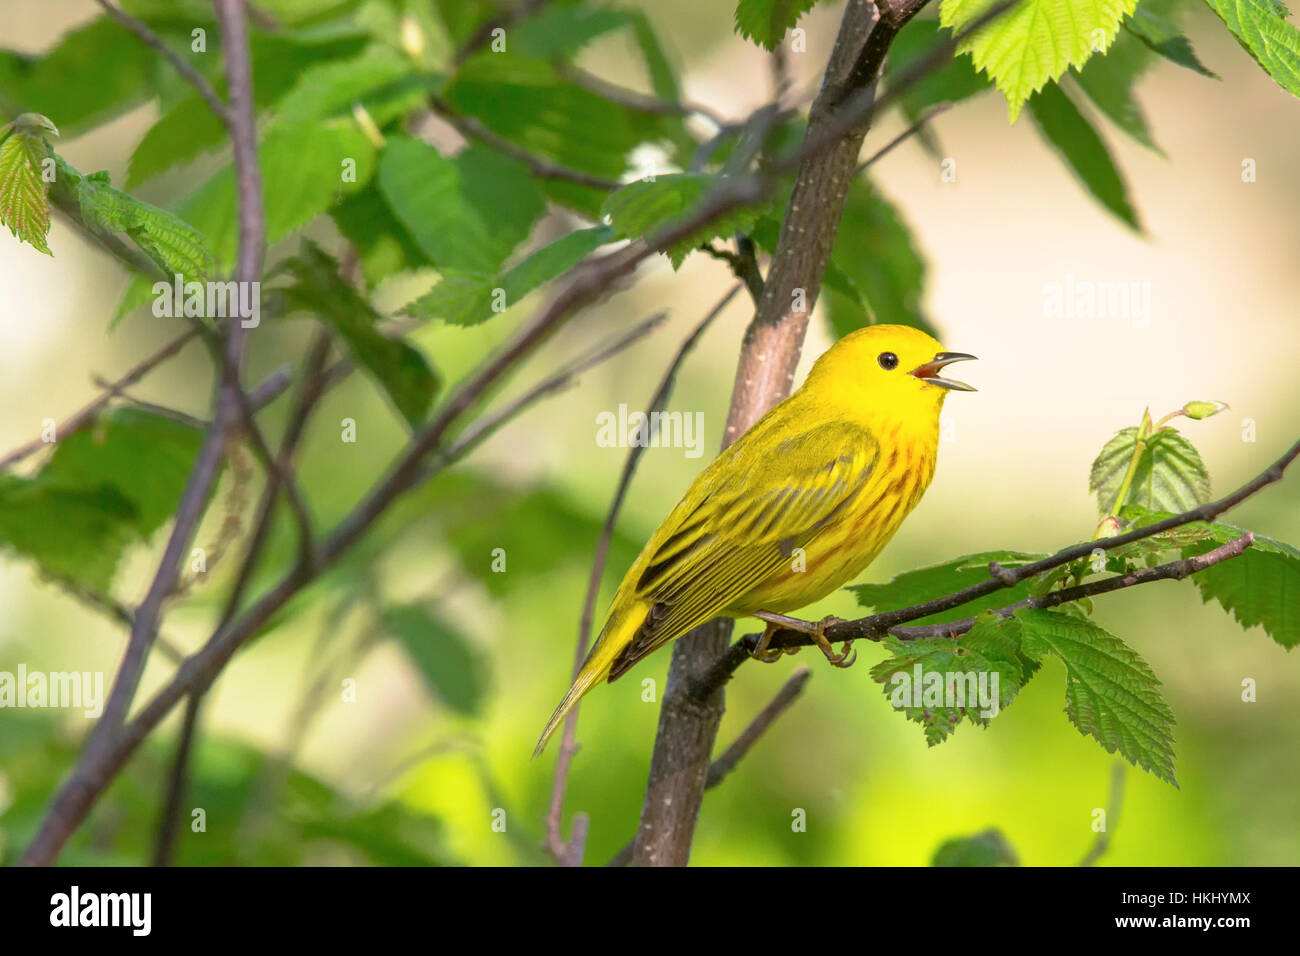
742,745
688,722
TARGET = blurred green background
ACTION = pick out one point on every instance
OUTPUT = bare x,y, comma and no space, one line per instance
414,772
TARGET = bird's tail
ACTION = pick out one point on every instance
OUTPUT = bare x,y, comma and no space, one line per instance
618,632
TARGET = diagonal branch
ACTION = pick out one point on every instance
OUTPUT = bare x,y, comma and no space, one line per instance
191,75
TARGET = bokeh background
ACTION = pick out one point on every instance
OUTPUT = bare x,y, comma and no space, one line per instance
400,768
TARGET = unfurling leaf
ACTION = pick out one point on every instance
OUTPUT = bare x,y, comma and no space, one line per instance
24,192
1170,475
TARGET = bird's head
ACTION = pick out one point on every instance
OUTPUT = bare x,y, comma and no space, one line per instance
888,367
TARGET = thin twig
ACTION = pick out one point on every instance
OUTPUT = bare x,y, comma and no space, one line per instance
554,842
187,72
89,411
1114,803
906,134
741,746
639,102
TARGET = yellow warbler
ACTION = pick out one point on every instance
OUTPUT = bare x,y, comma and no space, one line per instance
797,507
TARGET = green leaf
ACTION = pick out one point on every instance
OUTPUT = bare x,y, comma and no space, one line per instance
1260,26
467,212
381,241
176,247
1035,41
1110,692
562,31
663,78
24,193
1069,131
523,100
877,264
90,76
1163,37
1170,474
955,80
398,367
936,681
189,129
644,207
766,21
111,483
1109,80
1260,586
445,660
989,848
332,87
923,584
468,298
302,177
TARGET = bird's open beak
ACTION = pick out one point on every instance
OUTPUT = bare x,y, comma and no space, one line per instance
929,372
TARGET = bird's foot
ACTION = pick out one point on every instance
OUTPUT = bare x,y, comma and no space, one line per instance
761,652
817,632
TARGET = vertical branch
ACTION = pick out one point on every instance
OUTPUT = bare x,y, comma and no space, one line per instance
94,768
769,355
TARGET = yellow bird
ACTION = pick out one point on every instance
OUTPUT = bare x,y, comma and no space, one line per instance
797,507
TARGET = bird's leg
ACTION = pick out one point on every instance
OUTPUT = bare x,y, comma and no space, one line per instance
761,652
817,632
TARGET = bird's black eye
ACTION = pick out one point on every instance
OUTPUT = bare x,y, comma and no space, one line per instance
888,361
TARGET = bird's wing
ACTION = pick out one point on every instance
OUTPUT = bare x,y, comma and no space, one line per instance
748,520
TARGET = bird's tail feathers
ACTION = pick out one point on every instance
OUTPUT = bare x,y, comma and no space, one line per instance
618,632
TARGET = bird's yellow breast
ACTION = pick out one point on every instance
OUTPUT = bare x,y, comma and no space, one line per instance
845,548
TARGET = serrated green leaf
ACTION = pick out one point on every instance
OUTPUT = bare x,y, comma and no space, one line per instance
447,662
1163,37
1111,693
766,21
936,681
24,193
112,483
1259,586
176,247
467,212
1170,474
1083,150
1035,41
924,584
989,848
644,207
467,298
1261,28
400,369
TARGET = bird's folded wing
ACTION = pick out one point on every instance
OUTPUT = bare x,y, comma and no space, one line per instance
744,527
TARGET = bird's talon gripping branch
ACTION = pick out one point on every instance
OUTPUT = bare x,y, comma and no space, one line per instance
761,652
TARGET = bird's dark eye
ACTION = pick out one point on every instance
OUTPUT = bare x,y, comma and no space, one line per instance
888,361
